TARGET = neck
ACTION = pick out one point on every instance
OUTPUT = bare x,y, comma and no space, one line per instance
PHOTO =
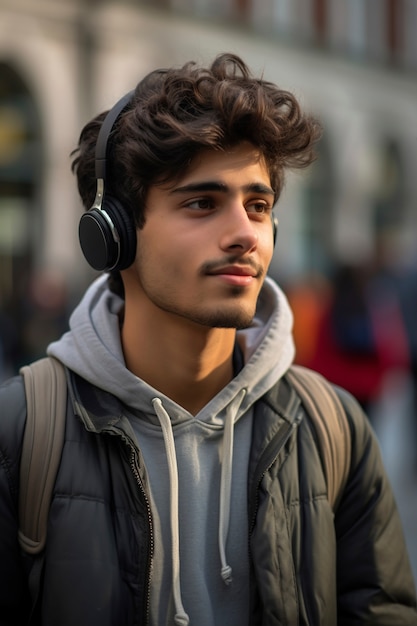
187,362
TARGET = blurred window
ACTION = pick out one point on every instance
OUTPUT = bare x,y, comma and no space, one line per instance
389,201
320,20
395,28
20,179
317,213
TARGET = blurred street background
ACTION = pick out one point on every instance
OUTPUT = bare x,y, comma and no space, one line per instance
346,252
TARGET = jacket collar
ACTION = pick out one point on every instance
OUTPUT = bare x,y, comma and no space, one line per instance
97,409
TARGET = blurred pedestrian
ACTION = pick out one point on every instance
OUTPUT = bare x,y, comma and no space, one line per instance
361,336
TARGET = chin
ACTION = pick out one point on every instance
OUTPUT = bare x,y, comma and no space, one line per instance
227,319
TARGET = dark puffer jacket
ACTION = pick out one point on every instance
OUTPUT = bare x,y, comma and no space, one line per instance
308,567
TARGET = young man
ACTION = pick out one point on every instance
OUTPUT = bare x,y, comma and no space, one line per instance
191,487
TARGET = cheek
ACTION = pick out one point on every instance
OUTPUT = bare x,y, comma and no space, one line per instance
151,247
165,257
266,244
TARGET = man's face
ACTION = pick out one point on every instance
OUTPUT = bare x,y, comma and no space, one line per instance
207,241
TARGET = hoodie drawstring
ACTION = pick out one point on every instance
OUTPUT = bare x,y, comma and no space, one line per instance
181,617
226,483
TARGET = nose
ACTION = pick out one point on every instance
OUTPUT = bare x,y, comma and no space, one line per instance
239,231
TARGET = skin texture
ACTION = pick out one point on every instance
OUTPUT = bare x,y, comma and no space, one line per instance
201,260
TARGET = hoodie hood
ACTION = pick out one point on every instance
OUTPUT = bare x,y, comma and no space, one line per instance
92,348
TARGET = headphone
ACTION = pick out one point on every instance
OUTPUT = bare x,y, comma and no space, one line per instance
274,227
107,232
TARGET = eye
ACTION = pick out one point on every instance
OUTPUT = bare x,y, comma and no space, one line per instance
259,207
200,204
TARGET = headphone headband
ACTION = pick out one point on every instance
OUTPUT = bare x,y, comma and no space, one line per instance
105,131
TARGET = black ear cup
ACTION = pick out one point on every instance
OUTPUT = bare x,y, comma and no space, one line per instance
108,236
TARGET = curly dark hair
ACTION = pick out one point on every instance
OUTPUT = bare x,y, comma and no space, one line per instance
175,113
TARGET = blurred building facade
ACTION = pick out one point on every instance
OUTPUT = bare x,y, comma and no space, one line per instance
352,63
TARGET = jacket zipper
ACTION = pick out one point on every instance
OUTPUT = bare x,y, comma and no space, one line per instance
274,448
80,410
151,547
266,461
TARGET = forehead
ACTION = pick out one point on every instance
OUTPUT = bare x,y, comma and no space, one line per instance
243,157
240,161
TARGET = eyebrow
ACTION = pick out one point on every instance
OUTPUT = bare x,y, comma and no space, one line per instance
212,185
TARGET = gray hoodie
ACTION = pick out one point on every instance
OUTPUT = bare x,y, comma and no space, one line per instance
196,465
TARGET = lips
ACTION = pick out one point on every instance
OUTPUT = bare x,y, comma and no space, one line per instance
234,270
234,275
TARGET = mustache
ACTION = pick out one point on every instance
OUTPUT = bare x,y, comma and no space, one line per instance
213,266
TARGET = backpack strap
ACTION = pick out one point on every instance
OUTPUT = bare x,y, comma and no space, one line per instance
328,416
46,399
